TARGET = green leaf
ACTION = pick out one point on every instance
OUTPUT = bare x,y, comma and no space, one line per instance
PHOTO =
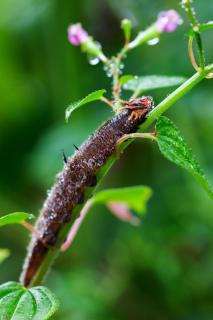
96,95
152,82
16,302
126,25
124,79
4,254
135,198
174,148
206,26
14,218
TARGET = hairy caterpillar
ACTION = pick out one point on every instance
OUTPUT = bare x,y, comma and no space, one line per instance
78,176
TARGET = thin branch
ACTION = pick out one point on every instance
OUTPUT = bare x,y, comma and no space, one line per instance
150,136
76,225
107,101
187,4
191,53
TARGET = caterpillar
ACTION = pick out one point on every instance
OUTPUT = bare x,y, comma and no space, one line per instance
79,177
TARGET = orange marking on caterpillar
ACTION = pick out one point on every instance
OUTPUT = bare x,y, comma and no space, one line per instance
138,106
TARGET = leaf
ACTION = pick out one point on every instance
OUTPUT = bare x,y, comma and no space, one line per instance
4,254
174,148
96,95
16,302
125,79
152,82
135,198
122,212
14,218
206,26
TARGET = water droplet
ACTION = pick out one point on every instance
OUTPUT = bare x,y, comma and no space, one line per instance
109,74
93,60
109,68
153,41
185,4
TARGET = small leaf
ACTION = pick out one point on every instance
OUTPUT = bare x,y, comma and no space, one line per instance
122,212
124,79
14,218
174,148
135,198
16,302
206,26
4,254
126,25
96,95
152,82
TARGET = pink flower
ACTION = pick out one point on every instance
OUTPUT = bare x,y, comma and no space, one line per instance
76,34
168,21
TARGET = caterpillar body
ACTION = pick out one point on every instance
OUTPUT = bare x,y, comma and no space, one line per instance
79,176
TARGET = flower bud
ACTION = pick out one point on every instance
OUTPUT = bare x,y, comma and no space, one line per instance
168,21
76,34
126,25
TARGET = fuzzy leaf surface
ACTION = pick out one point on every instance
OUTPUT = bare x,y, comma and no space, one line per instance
173,146
17,303
151,82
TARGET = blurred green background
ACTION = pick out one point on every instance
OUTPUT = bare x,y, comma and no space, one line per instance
160,270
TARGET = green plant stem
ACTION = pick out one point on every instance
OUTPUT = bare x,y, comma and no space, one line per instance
116,83
191,53
159,109
176,95
200,50
195,26
142,37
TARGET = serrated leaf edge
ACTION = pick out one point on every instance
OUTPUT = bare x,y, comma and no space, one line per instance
198,174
